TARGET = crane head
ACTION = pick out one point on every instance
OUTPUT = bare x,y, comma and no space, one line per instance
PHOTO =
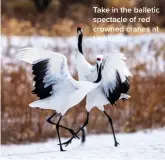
99,59
79,30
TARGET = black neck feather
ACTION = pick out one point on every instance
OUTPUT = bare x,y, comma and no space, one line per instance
80,43
99,74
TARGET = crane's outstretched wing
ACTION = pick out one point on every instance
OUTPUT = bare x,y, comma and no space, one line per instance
115,75
50,71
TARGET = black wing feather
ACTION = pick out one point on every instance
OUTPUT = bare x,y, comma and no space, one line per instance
121,87
39,72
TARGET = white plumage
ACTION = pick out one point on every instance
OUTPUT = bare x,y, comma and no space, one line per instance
114,62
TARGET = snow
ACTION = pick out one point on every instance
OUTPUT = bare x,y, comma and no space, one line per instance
143,145
139,49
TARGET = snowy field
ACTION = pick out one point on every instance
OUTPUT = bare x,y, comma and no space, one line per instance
148,145
147,48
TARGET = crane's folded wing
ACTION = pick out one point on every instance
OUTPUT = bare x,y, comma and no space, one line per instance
115,75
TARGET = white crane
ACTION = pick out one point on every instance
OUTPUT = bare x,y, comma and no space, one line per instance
54,85
114,83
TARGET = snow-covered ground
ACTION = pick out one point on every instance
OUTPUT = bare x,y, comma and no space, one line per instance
148,145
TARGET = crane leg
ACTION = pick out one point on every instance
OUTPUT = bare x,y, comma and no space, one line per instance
70,130
81,128
83,137
57,128
111,123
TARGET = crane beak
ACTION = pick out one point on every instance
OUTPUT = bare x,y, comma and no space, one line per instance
102,66
79,32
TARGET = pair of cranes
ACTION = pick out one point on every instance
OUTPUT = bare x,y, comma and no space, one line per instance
104,83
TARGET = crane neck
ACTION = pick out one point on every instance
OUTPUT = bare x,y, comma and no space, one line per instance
99,69
80,37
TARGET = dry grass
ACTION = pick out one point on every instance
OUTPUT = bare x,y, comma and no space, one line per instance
22,124
21,18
